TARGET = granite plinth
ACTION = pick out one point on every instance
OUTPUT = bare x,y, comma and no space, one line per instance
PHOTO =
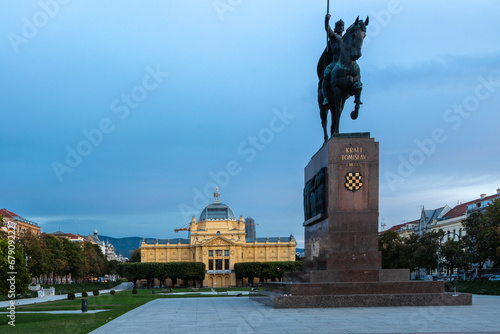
353,288
330,276
359,300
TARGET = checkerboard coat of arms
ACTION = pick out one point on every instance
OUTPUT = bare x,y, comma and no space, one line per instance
353,181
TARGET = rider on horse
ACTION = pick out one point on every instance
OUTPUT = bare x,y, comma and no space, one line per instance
334,44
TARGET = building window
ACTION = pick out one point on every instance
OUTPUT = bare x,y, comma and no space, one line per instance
226,264
218,232
218,252
210,253
210,264
226,253
218,264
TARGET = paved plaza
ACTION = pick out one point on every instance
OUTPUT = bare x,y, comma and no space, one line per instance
242,315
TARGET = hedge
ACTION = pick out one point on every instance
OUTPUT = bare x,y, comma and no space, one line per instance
187,271
265,270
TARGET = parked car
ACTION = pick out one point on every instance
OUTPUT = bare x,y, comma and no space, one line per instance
494,278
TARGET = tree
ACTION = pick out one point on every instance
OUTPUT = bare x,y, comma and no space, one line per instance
14,277
74,257
149,272
135,256
2,224
492,215
37,254
132,271
391,245
265,270
161,273
481,239
249,270
426,253
192,271
57,263
453,255
411,244
497,260
94,260
112,267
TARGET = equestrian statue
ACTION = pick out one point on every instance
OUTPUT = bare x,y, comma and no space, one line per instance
338,73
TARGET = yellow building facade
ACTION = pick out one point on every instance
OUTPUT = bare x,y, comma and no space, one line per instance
218,240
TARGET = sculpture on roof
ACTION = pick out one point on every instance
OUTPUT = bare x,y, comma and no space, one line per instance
338,72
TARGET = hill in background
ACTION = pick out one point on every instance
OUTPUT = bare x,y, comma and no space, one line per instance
123,246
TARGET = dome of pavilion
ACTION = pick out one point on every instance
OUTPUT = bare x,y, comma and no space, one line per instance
217,210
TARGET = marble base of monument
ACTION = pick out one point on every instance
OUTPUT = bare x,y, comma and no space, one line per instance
279,300
342,263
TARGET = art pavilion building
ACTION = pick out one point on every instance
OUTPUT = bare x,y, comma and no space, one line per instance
219,240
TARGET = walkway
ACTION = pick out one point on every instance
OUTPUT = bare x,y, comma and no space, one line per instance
242,315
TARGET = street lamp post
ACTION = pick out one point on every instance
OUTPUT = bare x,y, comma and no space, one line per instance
458,254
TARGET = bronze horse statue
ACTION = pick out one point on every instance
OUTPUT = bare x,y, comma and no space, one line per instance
344,80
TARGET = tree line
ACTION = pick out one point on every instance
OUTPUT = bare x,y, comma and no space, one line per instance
186,271
195,271
265,270
51,258
46,259
437,249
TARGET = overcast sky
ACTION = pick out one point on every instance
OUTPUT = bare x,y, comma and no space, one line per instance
124,115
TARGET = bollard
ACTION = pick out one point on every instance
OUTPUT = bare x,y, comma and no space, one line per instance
84,305
153,292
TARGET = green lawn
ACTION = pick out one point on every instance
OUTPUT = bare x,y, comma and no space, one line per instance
118,304
478,287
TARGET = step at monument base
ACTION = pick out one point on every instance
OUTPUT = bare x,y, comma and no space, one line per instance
277,300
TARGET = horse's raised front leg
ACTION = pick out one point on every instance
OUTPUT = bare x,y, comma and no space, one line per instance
338,105
357,87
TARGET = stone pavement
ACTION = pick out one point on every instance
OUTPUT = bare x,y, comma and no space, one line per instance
242,315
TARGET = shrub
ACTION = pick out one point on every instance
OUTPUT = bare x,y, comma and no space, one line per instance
112,292
84,294
71,296
95,292
134,291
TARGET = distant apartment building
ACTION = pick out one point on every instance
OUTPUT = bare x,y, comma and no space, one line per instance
449,219
106,247
446,218
20,224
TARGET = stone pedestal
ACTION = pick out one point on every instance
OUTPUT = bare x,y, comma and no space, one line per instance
343,234
342,263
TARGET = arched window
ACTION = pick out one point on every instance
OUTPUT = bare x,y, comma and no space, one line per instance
218,232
